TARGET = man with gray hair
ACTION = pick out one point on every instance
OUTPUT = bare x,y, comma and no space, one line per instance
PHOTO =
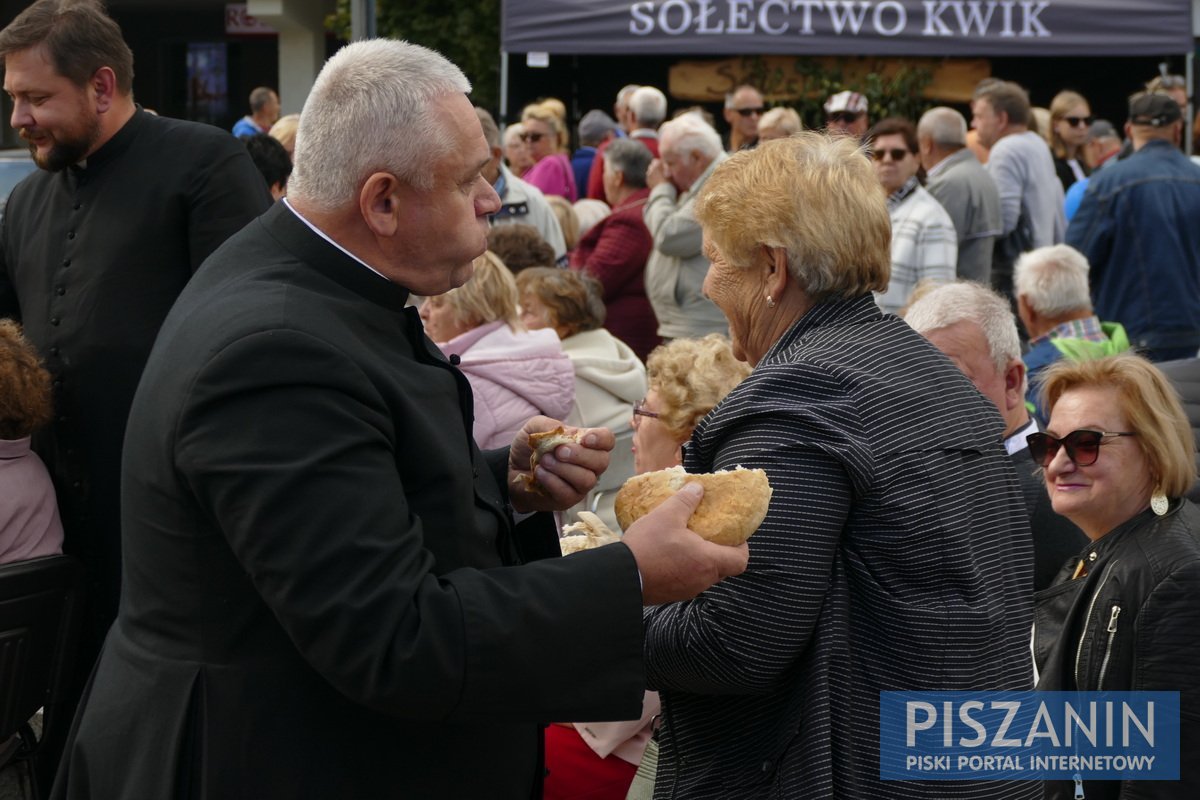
646,108
743,111
1055,305
959,182
325,592
675,272
264,112
520,202
975,329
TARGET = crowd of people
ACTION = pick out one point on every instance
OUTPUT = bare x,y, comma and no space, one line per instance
285,421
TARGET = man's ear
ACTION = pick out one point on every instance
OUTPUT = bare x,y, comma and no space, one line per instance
379,203
103,85
1014,384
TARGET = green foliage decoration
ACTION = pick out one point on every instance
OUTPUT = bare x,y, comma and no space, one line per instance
465,31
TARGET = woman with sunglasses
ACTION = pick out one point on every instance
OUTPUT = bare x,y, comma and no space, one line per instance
1124,615
546,135
1070,116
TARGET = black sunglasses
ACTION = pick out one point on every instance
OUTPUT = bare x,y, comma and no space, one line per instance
843,116
746,112
1075,122
1083,446
532,137
897,154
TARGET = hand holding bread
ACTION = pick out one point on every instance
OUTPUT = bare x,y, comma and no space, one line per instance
551,467
734,505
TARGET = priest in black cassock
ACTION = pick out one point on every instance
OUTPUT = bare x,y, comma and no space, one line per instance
94,249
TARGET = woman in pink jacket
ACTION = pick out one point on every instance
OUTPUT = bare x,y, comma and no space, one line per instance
515,374
546,135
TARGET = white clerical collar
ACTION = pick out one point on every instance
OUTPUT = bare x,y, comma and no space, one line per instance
324,236
1016,443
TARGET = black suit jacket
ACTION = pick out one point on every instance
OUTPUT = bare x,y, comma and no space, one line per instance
319,599
1055,538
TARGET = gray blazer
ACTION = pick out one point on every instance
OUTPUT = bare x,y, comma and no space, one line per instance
970,196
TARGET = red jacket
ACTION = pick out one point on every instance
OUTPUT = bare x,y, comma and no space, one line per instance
614,251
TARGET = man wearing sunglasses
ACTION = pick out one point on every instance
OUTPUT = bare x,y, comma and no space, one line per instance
924,243
846,114
743,109
974,327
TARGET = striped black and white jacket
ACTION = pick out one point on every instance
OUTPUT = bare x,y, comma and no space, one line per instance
896,555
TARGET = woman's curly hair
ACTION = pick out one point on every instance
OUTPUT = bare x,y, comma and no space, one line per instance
691,376
25,400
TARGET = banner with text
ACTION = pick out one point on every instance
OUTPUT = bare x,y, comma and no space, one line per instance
849,27
1028,735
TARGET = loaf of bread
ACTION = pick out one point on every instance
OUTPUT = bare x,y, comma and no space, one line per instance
734,504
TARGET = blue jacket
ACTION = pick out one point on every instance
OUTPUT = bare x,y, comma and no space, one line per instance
1137,227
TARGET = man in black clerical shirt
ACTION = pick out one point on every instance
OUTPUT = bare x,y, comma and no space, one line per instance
94,249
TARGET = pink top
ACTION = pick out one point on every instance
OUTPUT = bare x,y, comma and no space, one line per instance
553,175
29,522
514,375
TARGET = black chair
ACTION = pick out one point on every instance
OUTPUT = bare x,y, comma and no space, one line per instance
39,627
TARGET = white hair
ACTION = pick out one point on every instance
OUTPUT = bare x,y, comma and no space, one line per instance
1054,280
690,132
945,126
964,301
649,105
369,111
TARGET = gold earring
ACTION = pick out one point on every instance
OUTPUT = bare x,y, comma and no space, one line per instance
1158,501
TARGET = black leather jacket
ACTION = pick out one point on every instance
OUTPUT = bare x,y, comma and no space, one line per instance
1131,624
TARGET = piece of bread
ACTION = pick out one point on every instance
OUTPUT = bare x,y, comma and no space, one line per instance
589,532
734,503
543,443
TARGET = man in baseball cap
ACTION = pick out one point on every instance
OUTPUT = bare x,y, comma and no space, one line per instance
1136,226
846,113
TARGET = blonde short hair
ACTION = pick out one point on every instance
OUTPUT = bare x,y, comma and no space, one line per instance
813,195
284,131
490,295
691,376
1150,404
545,113
784,121
568,220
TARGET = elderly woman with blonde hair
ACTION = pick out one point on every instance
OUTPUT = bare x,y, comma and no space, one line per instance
547,137
514,373
1118,458
895,552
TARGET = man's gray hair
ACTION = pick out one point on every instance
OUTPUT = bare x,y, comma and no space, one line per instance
964,301
688,133
491,131
631,158
259,98
945,126
369,111
649,105
1054,280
